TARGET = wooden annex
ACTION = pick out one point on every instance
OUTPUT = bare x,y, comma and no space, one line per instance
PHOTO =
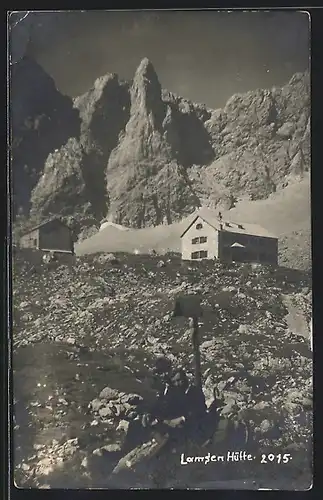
52,235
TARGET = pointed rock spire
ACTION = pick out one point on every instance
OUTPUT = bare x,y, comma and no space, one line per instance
146,70
146,93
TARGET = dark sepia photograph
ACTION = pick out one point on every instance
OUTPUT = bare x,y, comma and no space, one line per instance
160,199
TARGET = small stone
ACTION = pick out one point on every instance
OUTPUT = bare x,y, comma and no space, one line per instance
23,304
96,404
70,340
108,393
45,462
291,407
242,329
175,422
265,426
62,401
227,409
228,289
123,426
261,405
107,411
132,399
112,448
72,442
307,403
126,408
221,385
209,402
294,396
117,409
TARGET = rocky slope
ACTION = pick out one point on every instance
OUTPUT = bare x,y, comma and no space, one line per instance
143,155
86,338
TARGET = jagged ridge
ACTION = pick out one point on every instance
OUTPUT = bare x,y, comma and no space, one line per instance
147,156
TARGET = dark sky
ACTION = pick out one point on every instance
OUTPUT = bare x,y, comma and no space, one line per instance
204,56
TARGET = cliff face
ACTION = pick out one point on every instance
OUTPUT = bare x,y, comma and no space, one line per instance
143,156
72,183
145,177
261,141
42,120
175,155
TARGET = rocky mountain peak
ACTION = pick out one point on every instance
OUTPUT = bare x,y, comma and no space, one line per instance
146,94
141,155
102,81
104,111
146,71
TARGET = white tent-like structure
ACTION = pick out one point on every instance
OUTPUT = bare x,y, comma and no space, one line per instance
112,224
237,245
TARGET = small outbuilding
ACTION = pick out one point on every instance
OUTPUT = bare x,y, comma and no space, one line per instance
208,236
52,235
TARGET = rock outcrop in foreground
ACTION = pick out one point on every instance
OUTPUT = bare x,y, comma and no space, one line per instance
142,156
88,341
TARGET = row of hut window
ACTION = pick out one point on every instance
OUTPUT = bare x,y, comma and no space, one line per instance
201,239
252,241
202,254
222,225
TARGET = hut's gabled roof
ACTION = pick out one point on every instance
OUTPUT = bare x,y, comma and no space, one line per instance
212,218
45,223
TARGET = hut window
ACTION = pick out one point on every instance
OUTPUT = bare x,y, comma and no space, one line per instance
199,255
202,239
35,242
199,226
